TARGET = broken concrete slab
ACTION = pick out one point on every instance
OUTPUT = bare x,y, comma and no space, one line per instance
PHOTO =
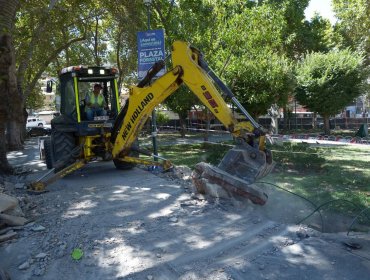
7,202
9,235
12,220
211,180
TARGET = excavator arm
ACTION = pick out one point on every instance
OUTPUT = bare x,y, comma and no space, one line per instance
187,69
249,160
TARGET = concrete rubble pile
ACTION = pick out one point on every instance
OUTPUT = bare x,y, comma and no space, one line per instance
11,215
215,182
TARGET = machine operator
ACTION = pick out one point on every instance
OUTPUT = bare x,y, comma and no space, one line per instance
95,103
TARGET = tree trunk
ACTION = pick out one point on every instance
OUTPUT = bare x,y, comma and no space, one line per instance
16,122
14,135
208,124
65,36
8,81
118,59
285,113
96,38
182,126
5,167
274,114
274,125
314,120
326,125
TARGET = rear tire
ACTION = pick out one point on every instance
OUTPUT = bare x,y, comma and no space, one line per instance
49,158
63,145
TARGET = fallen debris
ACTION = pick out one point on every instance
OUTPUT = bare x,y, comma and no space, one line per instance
7,236
40,255
24,266
173,220
11,220
11,215
38,228
4,275
7,202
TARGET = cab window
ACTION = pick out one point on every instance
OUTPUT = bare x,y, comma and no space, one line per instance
68,105
85,87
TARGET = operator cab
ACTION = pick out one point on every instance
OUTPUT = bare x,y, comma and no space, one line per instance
76,82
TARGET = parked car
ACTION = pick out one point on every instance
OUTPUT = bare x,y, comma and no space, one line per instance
38,131
35,122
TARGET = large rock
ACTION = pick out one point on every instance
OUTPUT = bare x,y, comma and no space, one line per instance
10,212
4,275
211,180
7,202
9,235
11,220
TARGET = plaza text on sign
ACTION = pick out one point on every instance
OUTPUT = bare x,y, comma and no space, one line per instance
150,50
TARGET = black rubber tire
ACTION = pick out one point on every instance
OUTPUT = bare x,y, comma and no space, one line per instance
63,144
121,165
49,157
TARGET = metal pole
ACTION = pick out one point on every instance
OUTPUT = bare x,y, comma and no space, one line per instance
148,13
154,123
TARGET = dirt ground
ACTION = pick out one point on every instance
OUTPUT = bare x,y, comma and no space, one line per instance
139,225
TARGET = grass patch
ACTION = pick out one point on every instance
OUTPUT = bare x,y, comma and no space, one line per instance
166,137
323,174
191,154
320,174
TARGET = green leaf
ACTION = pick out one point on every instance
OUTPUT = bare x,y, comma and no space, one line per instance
77,254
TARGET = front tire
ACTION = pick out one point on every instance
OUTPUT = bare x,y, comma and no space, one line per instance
122,165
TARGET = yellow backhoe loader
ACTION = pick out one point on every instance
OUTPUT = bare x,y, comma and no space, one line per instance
75,140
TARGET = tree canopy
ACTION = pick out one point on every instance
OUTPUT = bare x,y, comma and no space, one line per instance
253,46
354,24
327,82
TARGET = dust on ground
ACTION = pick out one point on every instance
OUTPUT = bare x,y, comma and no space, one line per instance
139,225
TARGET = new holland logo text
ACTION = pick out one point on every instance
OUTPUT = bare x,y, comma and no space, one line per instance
136,114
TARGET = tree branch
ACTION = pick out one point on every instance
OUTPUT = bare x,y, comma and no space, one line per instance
170,10
47,61
119,36
161,17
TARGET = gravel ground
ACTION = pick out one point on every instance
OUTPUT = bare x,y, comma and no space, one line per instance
139,225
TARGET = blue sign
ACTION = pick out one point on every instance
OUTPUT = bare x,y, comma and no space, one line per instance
150,50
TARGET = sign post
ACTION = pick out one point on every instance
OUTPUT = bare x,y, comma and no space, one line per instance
150,50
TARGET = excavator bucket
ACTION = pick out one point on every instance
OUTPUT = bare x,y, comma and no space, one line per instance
236,173
247,163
